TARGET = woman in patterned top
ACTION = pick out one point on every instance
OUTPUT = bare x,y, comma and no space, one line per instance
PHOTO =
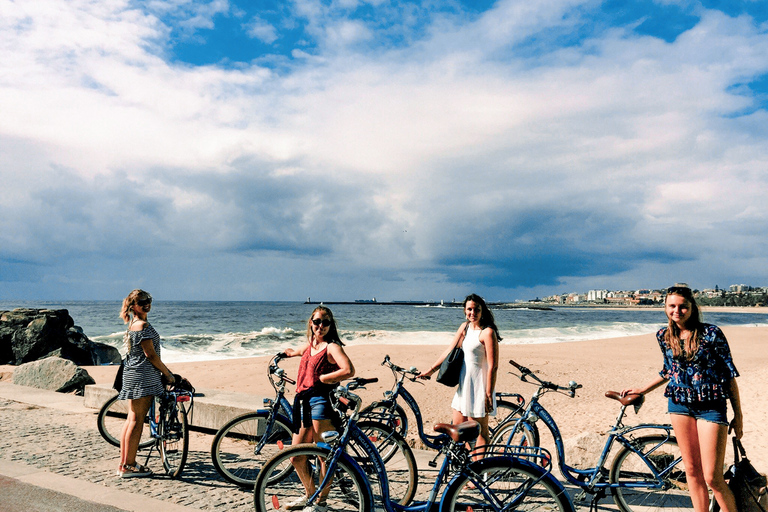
141,378
701,378
323,365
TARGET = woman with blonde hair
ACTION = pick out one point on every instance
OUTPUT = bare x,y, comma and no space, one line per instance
701,379
142,378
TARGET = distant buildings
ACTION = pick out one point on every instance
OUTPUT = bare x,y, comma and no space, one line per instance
737,295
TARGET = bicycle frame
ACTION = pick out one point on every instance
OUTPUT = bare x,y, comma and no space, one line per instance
456,456
170,399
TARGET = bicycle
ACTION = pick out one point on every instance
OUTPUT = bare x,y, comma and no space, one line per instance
501,480
240,447
165,426
243,444
647,473
390,413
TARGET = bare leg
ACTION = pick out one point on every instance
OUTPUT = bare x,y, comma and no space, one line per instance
687,435
483,438
305,435
713,439
130,437
321,426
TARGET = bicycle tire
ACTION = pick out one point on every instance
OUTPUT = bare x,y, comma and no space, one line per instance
233,449
505,483
381,412
173,431
661,451
111,420
349,490
400,466
529,436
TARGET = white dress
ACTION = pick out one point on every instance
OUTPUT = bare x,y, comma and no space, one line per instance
469,399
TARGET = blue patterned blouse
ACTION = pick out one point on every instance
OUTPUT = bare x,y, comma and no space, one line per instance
704,378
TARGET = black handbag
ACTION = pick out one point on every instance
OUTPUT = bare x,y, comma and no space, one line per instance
450,368
118,384
746,483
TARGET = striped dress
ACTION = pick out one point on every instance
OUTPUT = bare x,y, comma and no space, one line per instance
140,377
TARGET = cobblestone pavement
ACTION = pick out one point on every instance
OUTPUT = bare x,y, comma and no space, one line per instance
69,444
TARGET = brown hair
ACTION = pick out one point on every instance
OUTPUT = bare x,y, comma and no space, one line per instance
486,316
126,314
333,333
672,339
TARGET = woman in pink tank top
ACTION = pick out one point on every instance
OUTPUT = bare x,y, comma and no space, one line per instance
323,364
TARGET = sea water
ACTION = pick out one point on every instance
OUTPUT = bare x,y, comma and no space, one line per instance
199,331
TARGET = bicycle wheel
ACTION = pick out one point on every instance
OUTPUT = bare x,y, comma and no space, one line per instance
503,483
382,412
240,447
111,420
512,434
348,491
663,455
174,438
400,465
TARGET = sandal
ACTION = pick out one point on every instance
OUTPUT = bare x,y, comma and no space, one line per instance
135,471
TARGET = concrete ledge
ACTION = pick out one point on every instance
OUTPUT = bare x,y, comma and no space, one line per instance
213,408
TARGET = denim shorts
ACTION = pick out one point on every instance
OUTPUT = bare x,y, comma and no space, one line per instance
321,408
714,412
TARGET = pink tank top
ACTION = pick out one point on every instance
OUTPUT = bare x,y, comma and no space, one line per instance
311,367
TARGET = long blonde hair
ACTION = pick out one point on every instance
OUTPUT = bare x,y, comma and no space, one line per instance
672,339
127,315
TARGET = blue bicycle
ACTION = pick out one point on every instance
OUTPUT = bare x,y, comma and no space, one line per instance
242,446
390,413
647,473
504,479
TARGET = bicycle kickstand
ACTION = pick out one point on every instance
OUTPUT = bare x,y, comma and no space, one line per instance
600,494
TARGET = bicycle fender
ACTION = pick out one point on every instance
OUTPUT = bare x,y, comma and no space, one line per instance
478,465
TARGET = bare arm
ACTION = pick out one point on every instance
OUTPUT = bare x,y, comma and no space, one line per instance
737,423
152,357
339,357
294,352
491,343
655,383
459,334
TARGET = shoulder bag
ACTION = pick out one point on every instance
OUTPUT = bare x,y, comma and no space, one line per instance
118,384
450,368
746,483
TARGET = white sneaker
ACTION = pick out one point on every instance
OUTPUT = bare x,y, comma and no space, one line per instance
317,507
297,504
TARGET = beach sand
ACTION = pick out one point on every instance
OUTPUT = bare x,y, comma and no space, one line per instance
598,365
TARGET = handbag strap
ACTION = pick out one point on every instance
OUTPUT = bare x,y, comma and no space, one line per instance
463,335
738,450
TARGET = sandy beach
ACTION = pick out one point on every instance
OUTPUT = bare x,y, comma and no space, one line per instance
599,365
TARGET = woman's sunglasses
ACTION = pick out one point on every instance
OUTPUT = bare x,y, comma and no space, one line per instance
144,302
324,321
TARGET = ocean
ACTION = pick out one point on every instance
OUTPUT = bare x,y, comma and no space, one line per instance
200,331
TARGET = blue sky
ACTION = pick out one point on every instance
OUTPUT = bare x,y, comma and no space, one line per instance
279,150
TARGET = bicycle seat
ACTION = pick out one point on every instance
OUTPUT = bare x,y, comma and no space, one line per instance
635,400
461,433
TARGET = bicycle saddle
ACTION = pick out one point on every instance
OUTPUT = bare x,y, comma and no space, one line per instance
461,433
636,400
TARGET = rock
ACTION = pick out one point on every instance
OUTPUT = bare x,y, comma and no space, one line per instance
53,373
31,334
583,450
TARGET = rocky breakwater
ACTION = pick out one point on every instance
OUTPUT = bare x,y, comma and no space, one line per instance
48,348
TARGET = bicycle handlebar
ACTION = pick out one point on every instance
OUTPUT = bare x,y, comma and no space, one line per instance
399,369
276,370
525,372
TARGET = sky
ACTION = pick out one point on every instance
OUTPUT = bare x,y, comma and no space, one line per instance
351,149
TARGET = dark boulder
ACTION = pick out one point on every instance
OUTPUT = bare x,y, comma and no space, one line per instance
31,334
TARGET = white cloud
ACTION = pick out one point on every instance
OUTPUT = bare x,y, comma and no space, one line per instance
455,157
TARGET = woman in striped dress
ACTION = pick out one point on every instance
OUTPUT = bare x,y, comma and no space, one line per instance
141,378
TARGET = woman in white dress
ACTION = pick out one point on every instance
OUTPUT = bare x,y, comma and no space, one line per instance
476,394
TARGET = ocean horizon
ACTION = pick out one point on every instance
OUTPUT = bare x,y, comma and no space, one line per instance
212,330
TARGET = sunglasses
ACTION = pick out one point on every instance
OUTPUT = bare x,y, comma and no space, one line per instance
683,291
144,302
324,321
